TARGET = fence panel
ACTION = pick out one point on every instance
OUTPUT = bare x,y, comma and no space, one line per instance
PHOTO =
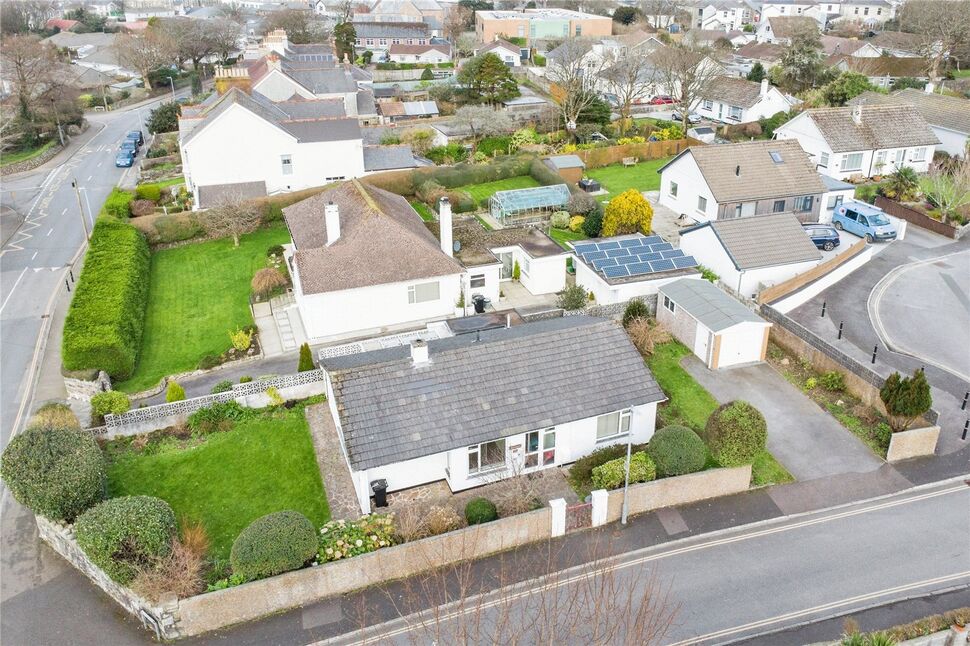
914,217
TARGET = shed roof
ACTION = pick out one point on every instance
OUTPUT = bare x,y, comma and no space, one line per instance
566,161
762,240
712,307
388,158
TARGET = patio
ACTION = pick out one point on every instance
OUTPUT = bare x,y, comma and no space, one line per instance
523,301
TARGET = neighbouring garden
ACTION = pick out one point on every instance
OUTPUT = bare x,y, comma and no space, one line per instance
618,178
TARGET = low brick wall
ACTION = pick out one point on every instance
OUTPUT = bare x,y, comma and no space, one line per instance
914,443
681,490
294,589
776,292
914,217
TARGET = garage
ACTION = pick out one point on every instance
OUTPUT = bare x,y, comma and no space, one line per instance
717,328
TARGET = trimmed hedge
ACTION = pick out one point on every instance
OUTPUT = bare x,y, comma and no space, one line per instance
273,544
480,510
677,450
610,475
151,192
124,535
106,319
110,401
736,432
55,472
118,204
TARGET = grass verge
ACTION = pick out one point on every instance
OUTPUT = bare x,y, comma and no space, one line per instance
24,155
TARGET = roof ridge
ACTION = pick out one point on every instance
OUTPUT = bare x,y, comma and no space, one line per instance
367,197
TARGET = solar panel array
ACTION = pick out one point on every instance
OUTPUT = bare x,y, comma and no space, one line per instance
636,256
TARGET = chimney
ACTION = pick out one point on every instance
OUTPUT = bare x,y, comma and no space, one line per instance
930,87
227,78
857,114
273,61
332,214
444,226
419,352
764,87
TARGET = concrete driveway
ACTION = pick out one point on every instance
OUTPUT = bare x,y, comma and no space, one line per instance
807,440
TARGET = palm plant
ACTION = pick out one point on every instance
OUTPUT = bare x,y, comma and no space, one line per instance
902,185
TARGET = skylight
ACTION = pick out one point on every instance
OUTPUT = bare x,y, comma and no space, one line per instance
775,156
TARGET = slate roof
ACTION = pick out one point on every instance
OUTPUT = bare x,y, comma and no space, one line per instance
322,80
366,105
477,389
762,51
212,194
495,44
417,49
786,26
746,171
882,126
477,243
388,158
836,45
882,65
762,240
382,240
734,91
715,309
900,40
941,110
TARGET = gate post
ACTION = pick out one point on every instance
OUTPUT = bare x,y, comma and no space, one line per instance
600,499
558,516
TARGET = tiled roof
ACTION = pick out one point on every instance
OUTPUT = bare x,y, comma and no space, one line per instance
477,242
787,26
714,308
763,240
941,110
382,240
746,171
894,66
836,45
897,40
496,44
762,51
418,49
733,91
882,126
480,388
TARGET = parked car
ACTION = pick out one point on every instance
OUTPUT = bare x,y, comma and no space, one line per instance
137,136
824,236
130,145
134,139
124,159
863,220
662,99
692,117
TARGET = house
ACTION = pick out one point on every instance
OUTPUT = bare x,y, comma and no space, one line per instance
61,24
569,167
751,253
904,44
948,116
419,53
736,100
474,409
882,71
379,36
871,14
779,30
768,54
399,111
510,54
862,141
713,37
93,50
617,269
836,192
533,24
720,15
792,8
134,14
740,180
836,46
717,328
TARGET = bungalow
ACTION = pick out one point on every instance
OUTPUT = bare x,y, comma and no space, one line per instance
740,180
510,54
882,71
474,409
948,116
836,46
858,141
712,37
768,54
779,30
749,254
419,53
904,44
736,100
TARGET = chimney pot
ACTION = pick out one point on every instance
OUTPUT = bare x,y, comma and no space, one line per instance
857,114
419,352
332,219
764,87
445,232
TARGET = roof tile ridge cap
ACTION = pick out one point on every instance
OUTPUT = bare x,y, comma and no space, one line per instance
370,201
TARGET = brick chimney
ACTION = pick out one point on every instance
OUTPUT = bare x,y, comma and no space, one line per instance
764,87
444,226
227,78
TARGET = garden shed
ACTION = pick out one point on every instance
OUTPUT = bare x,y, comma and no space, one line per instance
569,167
523,205
715,326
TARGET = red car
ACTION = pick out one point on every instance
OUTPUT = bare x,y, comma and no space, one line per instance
662,100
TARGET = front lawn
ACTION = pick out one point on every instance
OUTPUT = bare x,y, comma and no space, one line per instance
225,480
198,293
618,178
481,192
565,236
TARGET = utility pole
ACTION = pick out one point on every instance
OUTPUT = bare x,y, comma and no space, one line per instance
171,81
626,479
84,223
57,120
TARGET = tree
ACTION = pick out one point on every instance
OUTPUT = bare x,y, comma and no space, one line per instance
174,392
458,20
626,15
21,16
628,212
801,66
231,216
630,79
225,35
476,5
164,118
28,65
757,73
482,120
306,359
89,21
943,27
367,57
146,52
949,192
686,72
574,74
486,79
906,399
597,113
300,25
344,37
427,74
419,139
846,87
902,184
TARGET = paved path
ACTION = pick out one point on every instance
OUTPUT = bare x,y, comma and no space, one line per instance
807,440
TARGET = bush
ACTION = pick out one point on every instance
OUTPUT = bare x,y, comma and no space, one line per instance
628,212
593,225
166,228
267,281
306,359
245,379
275,250
450,154
180,572
139,208
118,204
413,522
735,433
106,318
151,192
218,417
480,510
273,544
833,381
494,145
111,401
574,297
340,539
906,399
576,223
54,472
611,475
174,392
677,450
582,469
635,309
582,204
209,361
125,535
54,415
559,220
164,118
646,334
241,339
223,386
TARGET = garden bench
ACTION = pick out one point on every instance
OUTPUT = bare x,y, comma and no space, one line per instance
630,161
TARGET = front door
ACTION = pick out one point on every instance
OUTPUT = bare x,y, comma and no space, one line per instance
540,448
507,264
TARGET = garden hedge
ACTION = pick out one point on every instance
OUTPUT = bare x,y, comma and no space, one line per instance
677,450
273,544
480,510
55,472
118,204
736,432
124,535
610,475
105,321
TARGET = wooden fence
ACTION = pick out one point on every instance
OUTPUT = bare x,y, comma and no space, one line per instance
597,157
914,217
775,292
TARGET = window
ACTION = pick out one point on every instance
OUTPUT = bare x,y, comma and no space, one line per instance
804,203
880,158
857,11
851,215
579,30
488,456
286,163
532,451
865,11
834,201
737,211
383,41
852,162
708,104
423,293
735,113
477,280
919,154
778,207
702,204
878,11
669,304
521,31
525,265
673,189
612,425
823,160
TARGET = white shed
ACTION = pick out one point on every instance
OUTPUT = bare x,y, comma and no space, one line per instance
715,326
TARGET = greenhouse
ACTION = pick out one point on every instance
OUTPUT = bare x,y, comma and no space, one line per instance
527,204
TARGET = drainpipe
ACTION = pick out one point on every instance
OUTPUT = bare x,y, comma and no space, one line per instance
740,276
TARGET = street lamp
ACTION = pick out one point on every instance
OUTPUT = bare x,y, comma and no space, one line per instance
84,223
626,479
171,82
57,120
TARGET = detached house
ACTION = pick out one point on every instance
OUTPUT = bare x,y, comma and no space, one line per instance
779,30
419,53
510,54
474,409
739,180
736,100
948,116
862,141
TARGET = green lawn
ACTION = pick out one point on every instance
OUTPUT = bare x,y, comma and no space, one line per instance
228,479
423,210
564,236
961,74
198,293
23,155
480,192
618,178
690,405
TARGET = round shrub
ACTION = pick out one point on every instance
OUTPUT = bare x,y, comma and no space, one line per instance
736,432
275,543
223,386
559,220
141,207
635,309
576,223
54,472
593,225
480,510
125,535
54,415
677,450
174,392
610,475
111,401
833,381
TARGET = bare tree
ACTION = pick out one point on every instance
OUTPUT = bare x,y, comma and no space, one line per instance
457,20
659,13
300,25
28,66
145,52
225,35
483,121
949,191
231,216
942,25
574,71
630,77
21,16
686,72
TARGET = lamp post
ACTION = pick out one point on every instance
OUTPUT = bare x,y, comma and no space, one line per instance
626,477
57,120
84,223
171,81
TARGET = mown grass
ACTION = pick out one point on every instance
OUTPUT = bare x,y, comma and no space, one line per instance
423,210
565,236
618,178
481,192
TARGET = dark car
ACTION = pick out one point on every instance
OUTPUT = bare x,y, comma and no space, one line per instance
824,236
137,136
129,145
124,159
660,99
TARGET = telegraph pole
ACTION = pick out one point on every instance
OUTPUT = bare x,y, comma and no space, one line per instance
80,209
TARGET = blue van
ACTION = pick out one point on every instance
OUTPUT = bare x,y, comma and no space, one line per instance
863,220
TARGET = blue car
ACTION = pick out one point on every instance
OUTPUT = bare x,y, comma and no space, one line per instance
134,139
824,236
130,146
863,220
124,159
137,136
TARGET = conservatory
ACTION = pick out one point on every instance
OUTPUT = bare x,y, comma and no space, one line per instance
527,205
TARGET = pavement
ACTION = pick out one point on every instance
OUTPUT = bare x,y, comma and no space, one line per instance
803,437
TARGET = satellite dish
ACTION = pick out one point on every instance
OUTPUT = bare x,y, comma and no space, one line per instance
456,246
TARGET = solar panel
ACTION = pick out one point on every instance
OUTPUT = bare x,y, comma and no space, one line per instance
626,260
651,240
685,262
663,246
609,245
662,265
615,272
673,253
638,255
640,268
593,255
585,248
633,242
613,253
647,257
605,262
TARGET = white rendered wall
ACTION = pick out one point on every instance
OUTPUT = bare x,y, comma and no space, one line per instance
690,185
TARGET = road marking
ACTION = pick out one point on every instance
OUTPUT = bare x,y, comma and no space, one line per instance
34,256
50,231
16,282
64,212
89,178
100,162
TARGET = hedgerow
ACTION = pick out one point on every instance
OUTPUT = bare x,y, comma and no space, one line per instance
611,475
273,544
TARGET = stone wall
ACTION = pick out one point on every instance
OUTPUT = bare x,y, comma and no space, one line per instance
84,390
681,490
33,162
914,443
610,310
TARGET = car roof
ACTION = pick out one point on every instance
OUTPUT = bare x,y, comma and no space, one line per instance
863,208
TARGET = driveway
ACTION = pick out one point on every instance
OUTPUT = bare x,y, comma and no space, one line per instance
807,440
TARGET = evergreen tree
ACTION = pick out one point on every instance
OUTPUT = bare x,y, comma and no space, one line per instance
306,359
486,79
757,73
906,399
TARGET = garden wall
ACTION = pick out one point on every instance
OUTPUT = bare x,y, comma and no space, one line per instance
914,443
611,310
822,275
681,490
919,219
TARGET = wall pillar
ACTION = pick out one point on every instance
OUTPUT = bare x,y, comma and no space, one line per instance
601,500
558,516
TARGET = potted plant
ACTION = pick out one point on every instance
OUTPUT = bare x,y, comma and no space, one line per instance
460,305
